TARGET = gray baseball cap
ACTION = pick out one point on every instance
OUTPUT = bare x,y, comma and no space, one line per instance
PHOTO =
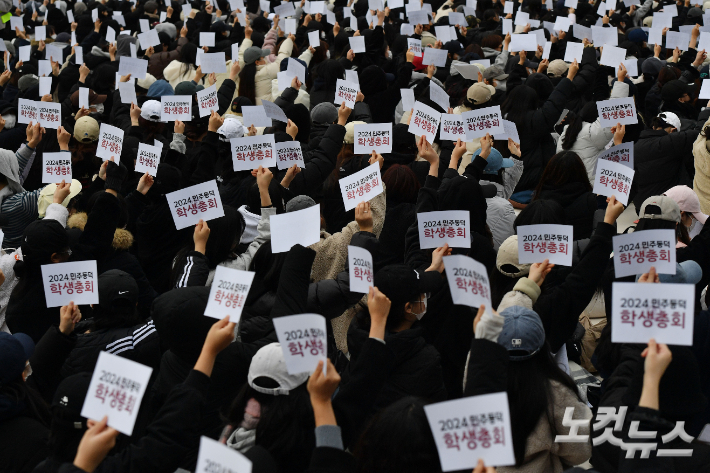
523,334
253,53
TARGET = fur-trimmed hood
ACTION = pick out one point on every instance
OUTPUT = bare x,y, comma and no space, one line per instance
122,239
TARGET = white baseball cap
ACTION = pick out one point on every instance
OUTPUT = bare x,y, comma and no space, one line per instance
231,128
671,119
151,111
269,363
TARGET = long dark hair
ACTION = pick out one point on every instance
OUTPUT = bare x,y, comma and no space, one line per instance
588,114
247,83
518,103
402,184
188,56
563,168
266,266
530,395
31,402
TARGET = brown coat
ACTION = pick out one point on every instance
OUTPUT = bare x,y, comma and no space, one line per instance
159,61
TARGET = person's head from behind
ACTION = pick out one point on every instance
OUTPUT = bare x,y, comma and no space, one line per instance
164,41
43,242
225,233
660,212
666,121
118,298
677,91
382,447
492,41
490,15
253,58
402,184
266,266
542,211
563,169
518,103
588,114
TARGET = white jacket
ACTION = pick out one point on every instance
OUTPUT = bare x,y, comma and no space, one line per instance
173,73
267,72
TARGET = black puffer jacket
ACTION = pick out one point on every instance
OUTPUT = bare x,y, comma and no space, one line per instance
579,206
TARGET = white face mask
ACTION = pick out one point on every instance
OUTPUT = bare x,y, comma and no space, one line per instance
10,121
327,54
54,36
423,312
389,54
499,84
99,107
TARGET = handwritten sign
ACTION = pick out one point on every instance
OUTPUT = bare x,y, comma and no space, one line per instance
250,152
116,390
641,311
361,186
357,44
289,153
452,127
176,107
622,154
56,167
441,227
213,62
273,111
303,341
66,282
192,204
468,281
110,142
345,92
299,227
361,269
615,111
483,120
373,137
50,114
434,56
539,242
613,179
228,293
137,68
635,253
215,457
471,428
207,100
148,159
425,121
28,111
415,45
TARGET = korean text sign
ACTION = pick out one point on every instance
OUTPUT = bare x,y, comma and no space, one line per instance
215,457
345,92
65,282
116,390
641,311
441,227
110,142
50,114
361,269
482,121
56,167
289,153
613,179
622,154
250,152
424,121
207,100
635,253
28,111
303,341
176,107
148,159
452,127
373,137
468,281
615,111
361,186
228,293
195,203
471,428
539,242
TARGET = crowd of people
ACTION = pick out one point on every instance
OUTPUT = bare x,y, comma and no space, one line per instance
546,340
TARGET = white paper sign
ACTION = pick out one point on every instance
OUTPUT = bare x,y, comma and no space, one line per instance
137,68
303,341
635,253
434,56
313,39
574,52
207,39
289,153
148,39
562,24
28,111
415,45
361,269
110,35
581,32
110,142
213,62
116,390
127,91
511,131
452,127
675,39
418,17
523,42
604,36
613,179
407,99
78,55
483,120
25,52
16,23
453,422
228,293
148,159
40,33
297,69
217,457
632,67
176,107
641,311
612,56
468,281
705,90
622,154
255,115
67,282
50,114
250,152
207,100
447,226
362,186
662,20
438,96
613,111
425,121
273,111
45,86
192,204
299,227
285,9
44,68
357,44
375,136
546,50
345,92
507,26
56,167
539,242
443,33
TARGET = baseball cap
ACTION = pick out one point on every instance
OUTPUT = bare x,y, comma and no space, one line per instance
253,53
695,12
231,128
268,366
402,284
480,93
299,202
15,350
637,36
507,259
675,89
117,289
557,68
151,110
496,161
494,72
670,119
94,98
454,47
660,207
220,27
687,201
86,129
46,196
523,334
69,399
146,82
350,132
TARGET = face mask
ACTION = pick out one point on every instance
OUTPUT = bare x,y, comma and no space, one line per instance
99,107
500,85
389,54
424,303
54,36
9,121
327,54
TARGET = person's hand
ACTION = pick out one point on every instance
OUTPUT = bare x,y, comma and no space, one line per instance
482,468
351,55
306,20
234,70
149,52
650,277
135,114
377,158
69,316
658,357
292,38
613,210
336,29
290,174
263,178
95,444
458,151
586,42
209,8
291,129
321,387
538,271
200,236
553,38
212,78
700,58
46,98
41,45
410,55
605,19
523,57
427,152
539,51
37,135
125,78
542,66
215,121
102,169
437,261
61,192
63,137
357,33
112,48
621,75
676,54
198,74
379,307
343,114
5,78
169,12
183,31
2,125
695,32
193,14
656,50
251,131
295,83
430,70
83,73
179,127
573,69
514,147
20,34
619,131
219,337
363,217
360,96
145,183
562,35
486,144
83,112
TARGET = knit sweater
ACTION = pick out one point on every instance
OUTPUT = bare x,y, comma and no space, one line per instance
701,181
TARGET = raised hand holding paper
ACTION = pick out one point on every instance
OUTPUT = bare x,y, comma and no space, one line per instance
482,121
303,341
468,281
192,204
148,159
66,282
424,121
357,44
373,137
176,107
615,111
56,167
207,100
361,269
452,127
110,142
622,154
228,293
345,92
613,179
361,186
289,153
